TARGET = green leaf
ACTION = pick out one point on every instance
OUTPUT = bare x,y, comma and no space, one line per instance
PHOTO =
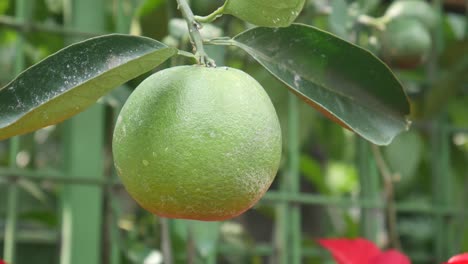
205,236
404,156
343,81
72,79
45,217
341,177
3,6
179,233
34,190
313,173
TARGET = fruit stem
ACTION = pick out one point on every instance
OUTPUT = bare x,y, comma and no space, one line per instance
388,179
225,41
195,36
213,16
187,54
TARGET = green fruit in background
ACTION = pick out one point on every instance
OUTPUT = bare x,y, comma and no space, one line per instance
405,43
266,13
197,143
416,9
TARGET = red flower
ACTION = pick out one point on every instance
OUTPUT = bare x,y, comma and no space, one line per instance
360,251
2,261
390,257
458,259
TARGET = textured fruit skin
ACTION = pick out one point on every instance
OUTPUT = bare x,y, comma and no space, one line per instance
197,143
406,43
265,13
415,9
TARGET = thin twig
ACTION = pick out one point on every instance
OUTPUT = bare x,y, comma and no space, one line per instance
387,177
463,217
191,253
194,32
30,27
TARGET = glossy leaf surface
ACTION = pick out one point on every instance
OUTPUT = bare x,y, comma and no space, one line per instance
343,81
72,79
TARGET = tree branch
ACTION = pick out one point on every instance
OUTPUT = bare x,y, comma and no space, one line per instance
195,36
387,177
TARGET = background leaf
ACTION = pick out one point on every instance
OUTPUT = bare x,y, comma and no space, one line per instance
72,79
3,8
404,157
206,237
343,81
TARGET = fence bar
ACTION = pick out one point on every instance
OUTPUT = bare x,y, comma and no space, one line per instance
83,148
11,221
371,219
115,210
57,177
294,177
23,27
442,186
270,196
21,13
12,207
274,196
281,225
281,237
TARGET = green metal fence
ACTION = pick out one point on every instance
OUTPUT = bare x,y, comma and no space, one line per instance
89,209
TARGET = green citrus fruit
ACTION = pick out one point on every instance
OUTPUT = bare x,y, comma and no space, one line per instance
405,43
416,9
266,13
197,143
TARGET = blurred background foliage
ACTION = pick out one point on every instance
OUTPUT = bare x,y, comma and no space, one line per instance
438,90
